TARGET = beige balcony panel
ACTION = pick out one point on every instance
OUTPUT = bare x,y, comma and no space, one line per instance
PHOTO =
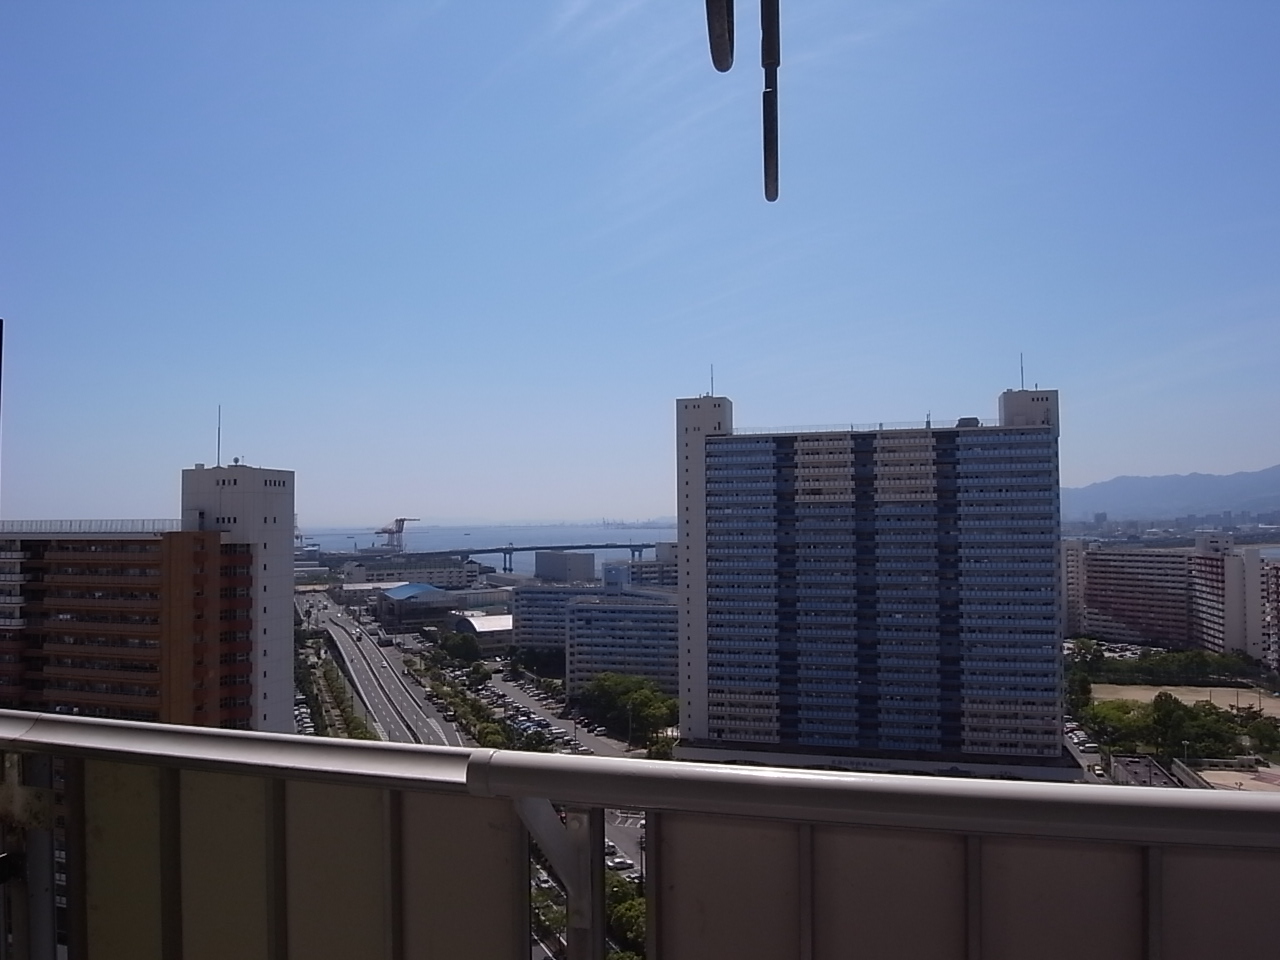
466,878
227,880
123,868
728,888
1219,903
892,893
338,842
1061,901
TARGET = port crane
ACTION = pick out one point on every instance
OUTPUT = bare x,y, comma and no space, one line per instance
394,532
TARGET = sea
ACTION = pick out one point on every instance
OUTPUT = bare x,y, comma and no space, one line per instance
428,537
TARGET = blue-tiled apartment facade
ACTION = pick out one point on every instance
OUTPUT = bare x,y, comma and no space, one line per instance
885,591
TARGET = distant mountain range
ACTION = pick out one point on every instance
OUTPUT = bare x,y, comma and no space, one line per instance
1159,498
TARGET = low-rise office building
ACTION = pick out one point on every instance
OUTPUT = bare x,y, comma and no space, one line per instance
563,566
539,613
447,573
635,634
409,606
600,628
492,630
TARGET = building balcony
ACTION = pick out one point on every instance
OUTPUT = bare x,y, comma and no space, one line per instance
94,675
203,843
96,627
96,580
53,604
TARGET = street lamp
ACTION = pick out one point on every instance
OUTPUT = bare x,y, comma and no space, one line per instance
1185,745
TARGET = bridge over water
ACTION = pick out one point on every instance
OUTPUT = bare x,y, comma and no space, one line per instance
510,550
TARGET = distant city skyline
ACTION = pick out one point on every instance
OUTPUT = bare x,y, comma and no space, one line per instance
442,281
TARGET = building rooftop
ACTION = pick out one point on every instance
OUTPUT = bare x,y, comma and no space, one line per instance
36,528
489,623
417,591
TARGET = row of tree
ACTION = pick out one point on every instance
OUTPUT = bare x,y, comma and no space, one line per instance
304,645
1173,729
628,706
356,726
1165,667
473,716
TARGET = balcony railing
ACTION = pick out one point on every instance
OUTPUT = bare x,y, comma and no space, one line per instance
34,528
194,843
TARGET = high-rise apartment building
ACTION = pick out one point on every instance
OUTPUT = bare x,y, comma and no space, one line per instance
251,509
1271,612
1212,596
1130,596
177,621
878,597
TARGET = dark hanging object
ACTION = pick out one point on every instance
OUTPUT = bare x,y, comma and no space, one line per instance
720,34
770,58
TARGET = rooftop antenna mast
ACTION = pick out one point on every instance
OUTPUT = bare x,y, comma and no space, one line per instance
713,381
219,448
1022,374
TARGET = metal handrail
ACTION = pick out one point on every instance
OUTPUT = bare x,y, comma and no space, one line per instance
10,527
394,765
981,807
935,423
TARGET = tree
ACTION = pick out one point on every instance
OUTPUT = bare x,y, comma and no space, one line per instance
478,676
1121,725
543,663
491,735
460,646
1265,734
1169,717
1079,690
629,706
627,922
662,748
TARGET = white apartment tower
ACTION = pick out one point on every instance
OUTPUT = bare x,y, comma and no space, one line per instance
253,508
696,419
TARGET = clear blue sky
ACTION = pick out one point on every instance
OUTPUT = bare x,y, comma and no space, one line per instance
455,260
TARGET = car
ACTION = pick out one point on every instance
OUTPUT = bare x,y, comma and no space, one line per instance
610,847
620,863
1088,747
384,664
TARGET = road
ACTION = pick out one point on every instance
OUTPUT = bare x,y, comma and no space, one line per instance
394,702
1086,761
623,827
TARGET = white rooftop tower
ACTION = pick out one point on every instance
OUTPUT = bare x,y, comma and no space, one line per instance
253,508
